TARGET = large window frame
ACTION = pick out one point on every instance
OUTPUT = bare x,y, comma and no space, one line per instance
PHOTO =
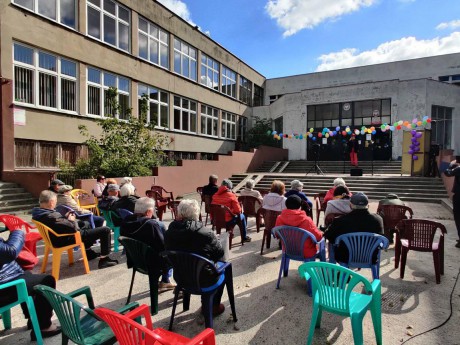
56,13
157,107
185,59
209,72
44,80
109,12
441,126
258,96
245,95
185,115
228,126
209,118
228,82
153,43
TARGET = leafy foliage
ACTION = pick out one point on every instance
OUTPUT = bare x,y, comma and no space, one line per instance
257,135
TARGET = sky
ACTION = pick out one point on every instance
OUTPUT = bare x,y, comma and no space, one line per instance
279,38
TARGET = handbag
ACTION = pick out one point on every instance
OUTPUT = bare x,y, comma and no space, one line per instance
26,259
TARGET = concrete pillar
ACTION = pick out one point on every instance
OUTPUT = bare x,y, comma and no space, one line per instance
6,126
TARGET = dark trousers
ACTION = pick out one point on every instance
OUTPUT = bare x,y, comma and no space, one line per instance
89,236
42,307
456,204
98,221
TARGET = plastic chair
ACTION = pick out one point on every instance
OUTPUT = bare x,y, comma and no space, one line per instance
418,235
361,247
320,206
270,221
140,258
63,209
218,213
161,204
293,241
14,223
79,323
116,229
23,297
392,215
207,208
333,292
129,332
85,200
46,232
174,204
248,204
188,268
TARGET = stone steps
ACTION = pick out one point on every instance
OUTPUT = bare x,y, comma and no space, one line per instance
14,199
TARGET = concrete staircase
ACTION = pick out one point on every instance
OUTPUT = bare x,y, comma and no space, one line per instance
14,199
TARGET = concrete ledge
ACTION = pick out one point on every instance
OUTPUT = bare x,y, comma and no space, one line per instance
447,203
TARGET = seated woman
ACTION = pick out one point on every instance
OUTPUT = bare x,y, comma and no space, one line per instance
127,200
275,199
250,191
296,189
330,193
341,202
99,186
10,270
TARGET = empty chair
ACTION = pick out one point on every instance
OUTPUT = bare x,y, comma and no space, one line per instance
419,235
218,213
391,215
270,221
363,250
130,332
320,205
207,208
14,223
333,292
251,205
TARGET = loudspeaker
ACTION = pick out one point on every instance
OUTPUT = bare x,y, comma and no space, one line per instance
356,172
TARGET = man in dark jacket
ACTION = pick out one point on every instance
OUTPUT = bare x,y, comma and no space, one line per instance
358,220
212,187
189,235
454,170
68,224
142,227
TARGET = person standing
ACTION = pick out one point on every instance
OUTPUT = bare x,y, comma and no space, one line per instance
353,149
454,171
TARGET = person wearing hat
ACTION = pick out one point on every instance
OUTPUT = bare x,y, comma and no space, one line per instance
353,149
55,184
296,189
225,196
454,171
341,202
391,199
358,220
106,202
293,215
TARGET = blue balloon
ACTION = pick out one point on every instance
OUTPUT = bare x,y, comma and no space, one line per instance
274,132
314,138
337,128
374,131
310,135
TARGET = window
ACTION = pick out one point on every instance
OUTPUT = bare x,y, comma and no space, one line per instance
228,82
157,107
44,80
258,96
99,83
61,11
441,126
228,129
209,120
209,72
242,129
184,114
245,91
153,43
184,59
109,22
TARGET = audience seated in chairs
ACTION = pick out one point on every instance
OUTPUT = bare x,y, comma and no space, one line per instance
55,184
296,189
99,186
189,235
330,193
225,196
391,199
293,215
127,200
250,191
107,202
67,224
108,182
143,227
358,220
10,271
341,202
212,187
275,200
64,198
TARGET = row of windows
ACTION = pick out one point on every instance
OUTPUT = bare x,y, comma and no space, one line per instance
110,22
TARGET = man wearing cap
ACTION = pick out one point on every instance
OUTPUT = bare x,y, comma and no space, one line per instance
293,215
55,184
358,220
106,202
391,199
454,171
225,196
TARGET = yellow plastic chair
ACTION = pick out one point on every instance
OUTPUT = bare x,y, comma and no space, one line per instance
57,252
85,200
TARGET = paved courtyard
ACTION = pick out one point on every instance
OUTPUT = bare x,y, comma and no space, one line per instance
270,316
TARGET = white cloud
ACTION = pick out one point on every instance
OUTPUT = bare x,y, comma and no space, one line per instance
296,15
179,8
402,49
449,25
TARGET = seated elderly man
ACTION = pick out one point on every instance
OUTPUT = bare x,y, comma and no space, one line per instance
107,202
212,187
225,196
64,198
68,224
296,189
189,235
55,184
142,227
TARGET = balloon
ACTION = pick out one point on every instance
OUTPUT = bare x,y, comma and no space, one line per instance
269,132
344,133
392,128
414,120
289,136
320,134
314,138
417,149
372,128
425,118
413,125
428,120
424,122
398,127
396,124
334,133
419,135
362,131
310,135
337,128
301,136
311,130
297,137
382,127
327,135
281,135
411,152
405,123
413,132
374,131
357,131
419,123
414,157
400,122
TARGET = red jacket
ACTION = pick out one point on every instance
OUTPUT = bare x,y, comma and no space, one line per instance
226,197
299,219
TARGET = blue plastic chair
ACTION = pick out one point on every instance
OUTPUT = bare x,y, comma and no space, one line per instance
361,248
293,241
333,292
23,297
124,213
63,209
187,268
116,229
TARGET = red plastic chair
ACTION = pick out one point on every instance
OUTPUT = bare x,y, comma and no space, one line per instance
199,190
173,206
218,213
392,215
320,205
129,332
418,235
270,221
15,223
248,204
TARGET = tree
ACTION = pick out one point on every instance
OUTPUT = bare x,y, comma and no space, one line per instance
125,147
258,134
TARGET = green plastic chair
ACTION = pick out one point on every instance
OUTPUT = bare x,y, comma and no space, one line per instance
23,297
79,322
333,292
116,229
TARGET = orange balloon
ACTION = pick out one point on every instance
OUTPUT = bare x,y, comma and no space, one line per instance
419,123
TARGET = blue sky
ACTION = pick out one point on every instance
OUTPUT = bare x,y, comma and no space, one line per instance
287,37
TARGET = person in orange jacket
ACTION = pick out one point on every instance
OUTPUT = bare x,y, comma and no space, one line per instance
293,215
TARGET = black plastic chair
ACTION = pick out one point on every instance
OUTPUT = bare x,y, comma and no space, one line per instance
141,257
188,268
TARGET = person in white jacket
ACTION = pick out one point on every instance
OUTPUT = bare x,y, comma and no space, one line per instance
275,200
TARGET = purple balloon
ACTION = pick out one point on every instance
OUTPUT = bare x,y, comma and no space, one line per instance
417,143
417,149
411,152
414,158
413,132
418,135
